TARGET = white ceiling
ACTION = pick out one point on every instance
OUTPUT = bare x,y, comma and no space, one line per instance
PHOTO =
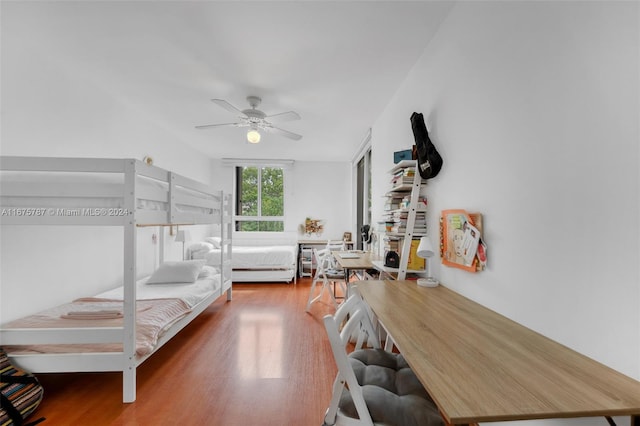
335,63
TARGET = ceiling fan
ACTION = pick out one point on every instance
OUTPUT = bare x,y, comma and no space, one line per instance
256,120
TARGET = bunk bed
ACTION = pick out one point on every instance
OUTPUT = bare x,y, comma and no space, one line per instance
124,193
255,257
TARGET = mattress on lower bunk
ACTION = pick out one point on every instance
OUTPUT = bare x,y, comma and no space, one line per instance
253,257
157,309
190,293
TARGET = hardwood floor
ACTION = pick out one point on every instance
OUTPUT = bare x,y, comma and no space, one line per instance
257,360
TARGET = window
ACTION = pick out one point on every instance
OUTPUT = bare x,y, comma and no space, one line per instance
259,199
362,171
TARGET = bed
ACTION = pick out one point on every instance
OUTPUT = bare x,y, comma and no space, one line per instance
158,308
255,257
125,193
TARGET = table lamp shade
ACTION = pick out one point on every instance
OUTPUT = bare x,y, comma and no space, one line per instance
425,249
182,236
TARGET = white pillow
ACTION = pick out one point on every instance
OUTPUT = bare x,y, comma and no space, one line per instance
201,247
207,271
214,240
185,271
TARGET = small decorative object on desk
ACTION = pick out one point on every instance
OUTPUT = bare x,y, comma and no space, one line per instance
313,226
346,236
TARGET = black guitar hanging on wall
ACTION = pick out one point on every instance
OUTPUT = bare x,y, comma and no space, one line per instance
429,160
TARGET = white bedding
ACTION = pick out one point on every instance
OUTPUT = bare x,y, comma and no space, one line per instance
159,307
191,294
253,257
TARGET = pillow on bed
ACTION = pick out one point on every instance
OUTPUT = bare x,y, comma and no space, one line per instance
201,247
185,271
207,271
214,240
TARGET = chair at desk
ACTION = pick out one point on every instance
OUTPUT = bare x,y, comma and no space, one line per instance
326,274
335,245
372,385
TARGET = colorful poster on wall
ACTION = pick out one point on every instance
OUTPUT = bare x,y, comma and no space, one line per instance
461,244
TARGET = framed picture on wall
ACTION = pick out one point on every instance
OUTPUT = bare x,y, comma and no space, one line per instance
461,244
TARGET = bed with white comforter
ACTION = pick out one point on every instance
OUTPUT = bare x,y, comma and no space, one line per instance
253,261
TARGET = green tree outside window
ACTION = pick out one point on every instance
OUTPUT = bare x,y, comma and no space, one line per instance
259,199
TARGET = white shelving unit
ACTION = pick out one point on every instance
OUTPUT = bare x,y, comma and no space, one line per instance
412,190
306,261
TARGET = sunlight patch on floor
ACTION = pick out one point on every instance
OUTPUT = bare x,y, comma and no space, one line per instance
260,345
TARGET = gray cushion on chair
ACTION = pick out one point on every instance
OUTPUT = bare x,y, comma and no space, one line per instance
334,273
393,393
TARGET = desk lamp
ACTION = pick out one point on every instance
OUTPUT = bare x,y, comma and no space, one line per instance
425,251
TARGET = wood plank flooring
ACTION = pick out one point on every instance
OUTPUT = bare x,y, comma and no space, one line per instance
257,360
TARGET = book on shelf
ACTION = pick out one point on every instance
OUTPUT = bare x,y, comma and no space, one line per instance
393,202
390,206
404,214
415,262
402,230
404,180
405,171
421,203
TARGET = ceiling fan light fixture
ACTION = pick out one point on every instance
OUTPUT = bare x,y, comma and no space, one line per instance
253,136
255,120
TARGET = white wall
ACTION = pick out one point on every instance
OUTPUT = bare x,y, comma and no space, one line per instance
322,190
535,109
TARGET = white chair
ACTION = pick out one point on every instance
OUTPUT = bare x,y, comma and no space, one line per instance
335,245
326,275
338,245
372,386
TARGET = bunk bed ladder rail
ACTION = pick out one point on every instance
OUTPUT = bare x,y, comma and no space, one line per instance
129,278
226,253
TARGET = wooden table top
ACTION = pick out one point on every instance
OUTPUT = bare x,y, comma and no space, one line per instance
320,242
363,261
480,366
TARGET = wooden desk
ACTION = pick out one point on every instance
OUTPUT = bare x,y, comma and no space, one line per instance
363,262
315,243
480,366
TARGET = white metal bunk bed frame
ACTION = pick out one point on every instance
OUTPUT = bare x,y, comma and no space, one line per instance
199,195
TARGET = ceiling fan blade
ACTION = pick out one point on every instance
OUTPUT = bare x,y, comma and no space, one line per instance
226,105
284,116
207,126
285,133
